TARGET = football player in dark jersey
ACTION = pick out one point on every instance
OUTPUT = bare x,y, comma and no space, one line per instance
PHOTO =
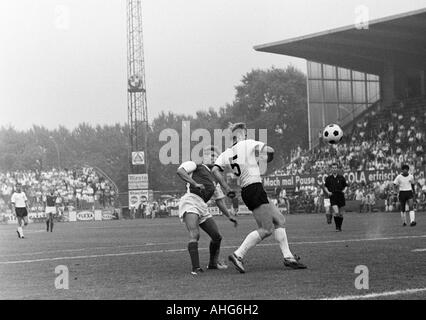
193,208
50,209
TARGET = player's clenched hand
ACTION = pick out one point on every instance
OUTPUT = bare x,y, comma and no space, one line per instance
230,193
235,222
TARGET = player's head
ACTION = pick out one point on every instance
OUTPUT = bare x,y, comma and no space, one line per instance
405,168
210,154
18,187
239,131
334,167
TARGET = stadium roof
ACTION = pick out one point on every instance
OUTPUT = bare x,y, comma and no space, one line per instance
398,39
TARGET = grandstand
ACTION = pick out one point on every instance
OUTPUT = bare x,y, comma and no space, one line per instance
391,48
385,124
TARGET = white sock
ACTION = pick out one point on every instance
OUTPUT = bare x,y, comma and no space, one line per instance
21,232
403,217
412,216
249,242
281,236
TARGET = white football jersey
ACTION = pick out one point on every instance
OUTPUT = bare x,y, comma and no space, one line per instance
241,159
404,183
18,199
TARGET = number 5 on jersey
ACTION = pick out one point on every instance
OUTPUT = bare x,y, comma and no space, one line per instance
235,166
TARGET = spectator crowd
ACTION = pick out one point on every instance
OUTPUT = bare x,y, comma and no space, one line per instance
80,188
380,140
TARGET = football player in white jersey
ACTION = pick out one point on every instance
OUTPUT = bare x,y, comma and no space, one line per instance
405,183
20,208
241,159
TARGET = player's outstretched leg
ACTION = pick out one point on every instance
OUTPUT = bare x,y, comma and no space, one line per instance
210,227
191,221
290,260
252,239
263,217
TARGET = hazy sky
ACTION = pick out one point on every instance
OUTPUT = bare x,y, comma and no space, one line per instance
58,71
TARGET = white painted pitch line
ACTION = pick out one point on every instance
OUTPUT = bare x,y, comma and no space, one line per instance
378,295
134,226
358,240
183,250
418,250
94,256
148,244
167,243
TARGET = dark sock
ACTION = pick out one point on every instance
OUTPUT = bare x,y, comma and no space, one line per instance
193,253
339,221
51,226
214,252
336,222
47,225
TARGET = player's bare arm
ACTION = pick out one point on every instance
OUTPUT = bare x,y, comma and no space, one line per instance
222,207
181,172
218,176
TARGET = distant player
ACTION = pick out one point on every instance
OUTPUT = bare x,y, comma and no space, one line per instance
193,208
405,183
241,159
335,185
20,207
50,209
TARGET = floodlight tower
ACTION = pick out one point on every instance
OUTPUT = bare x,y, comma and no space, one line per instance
136,92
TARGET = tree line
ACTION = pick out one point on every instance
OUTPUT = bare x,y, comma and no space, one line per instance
274,99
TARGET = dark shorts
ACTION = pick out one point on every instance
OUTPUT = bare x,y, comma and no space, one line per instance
254,196
404,196
21,212
338,199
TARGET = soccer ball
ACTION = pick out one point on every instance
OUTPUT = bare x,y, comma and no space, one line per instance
333,134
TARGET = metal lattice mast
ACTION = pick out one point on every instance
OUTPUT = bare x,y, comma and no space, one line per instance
137,106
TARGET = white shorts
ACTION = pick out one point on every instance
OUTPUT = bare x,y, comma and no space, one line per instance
50,210
194,204
327,202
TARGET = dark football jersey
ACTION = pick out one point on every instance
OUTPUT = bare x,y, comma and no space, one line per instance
201,174
50,200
